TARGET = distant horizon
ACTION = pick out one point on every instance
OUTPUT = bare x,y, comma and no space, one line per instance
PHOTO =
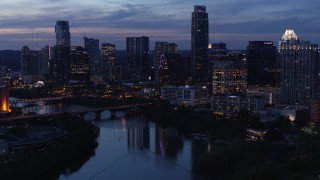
235,23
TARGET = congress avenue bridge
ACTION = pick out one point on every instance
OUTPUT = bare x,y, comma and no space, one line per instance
109,112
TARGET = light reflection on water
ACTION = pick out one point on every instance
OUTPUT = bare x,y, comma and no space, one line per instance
133,148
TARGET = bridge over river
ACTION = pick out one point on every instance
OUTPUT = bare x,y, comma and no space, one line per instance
96,113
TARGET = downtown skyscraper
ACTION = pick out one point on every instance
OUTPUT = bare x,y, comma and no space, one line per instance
199,45
60,65
91,46
62,34
299,62
138,58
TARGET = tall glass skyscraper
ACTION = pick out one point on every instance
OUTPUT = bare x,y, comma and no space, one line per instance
62,34
199,45
299,62
60,66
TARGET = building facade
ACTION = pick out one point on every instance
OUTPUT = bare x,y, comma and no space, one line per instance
185,95
229,77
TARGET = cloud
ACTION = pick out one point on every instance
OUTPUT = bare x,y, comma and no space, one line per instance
231,21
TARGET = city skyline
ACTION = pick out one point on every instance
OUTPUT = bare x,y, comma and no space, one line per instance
32,23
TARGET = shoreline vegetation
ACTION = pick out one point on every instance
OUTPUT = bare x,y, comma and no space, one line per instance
270,158
63,157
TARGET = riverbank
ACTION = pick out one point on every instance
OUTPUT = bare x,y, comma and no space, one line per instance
61,158
239,158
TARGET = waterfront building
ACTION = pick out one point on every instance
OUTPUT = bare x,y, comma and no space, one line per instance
262,66
199,45
185,95
138,68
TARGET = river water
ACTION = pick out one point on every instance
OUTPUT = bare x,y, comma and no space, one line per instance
133,148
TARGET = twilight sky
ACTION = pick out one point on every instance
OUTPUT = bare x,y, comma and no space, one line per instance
235,22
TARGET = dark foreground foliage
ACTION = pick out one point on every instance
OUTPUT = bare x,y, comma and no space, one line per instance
65,157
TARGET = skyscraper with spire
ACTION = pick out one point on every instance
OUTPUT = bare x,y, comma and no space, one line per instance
199,45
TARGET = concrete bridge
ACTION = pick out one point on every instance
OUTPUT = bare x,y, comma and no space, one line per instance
97,112
113,111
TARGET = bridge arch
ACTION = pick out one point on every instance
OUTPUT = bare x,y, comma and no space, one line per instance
120,114
90,116
105,114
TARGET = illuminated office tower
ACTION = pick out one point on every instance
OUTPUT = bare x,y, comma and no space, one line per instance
199,45
229,77
299,63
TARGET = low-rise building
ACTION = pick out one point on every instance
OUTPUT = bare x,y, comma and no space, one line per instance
185,95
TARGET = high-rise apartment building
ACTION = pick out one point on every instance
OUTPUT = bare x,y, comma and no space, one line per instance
262,64
229,77
138,58
199,45
299,62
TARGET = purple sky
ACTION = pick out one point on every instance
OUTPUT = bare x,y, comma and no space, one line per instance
235,22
